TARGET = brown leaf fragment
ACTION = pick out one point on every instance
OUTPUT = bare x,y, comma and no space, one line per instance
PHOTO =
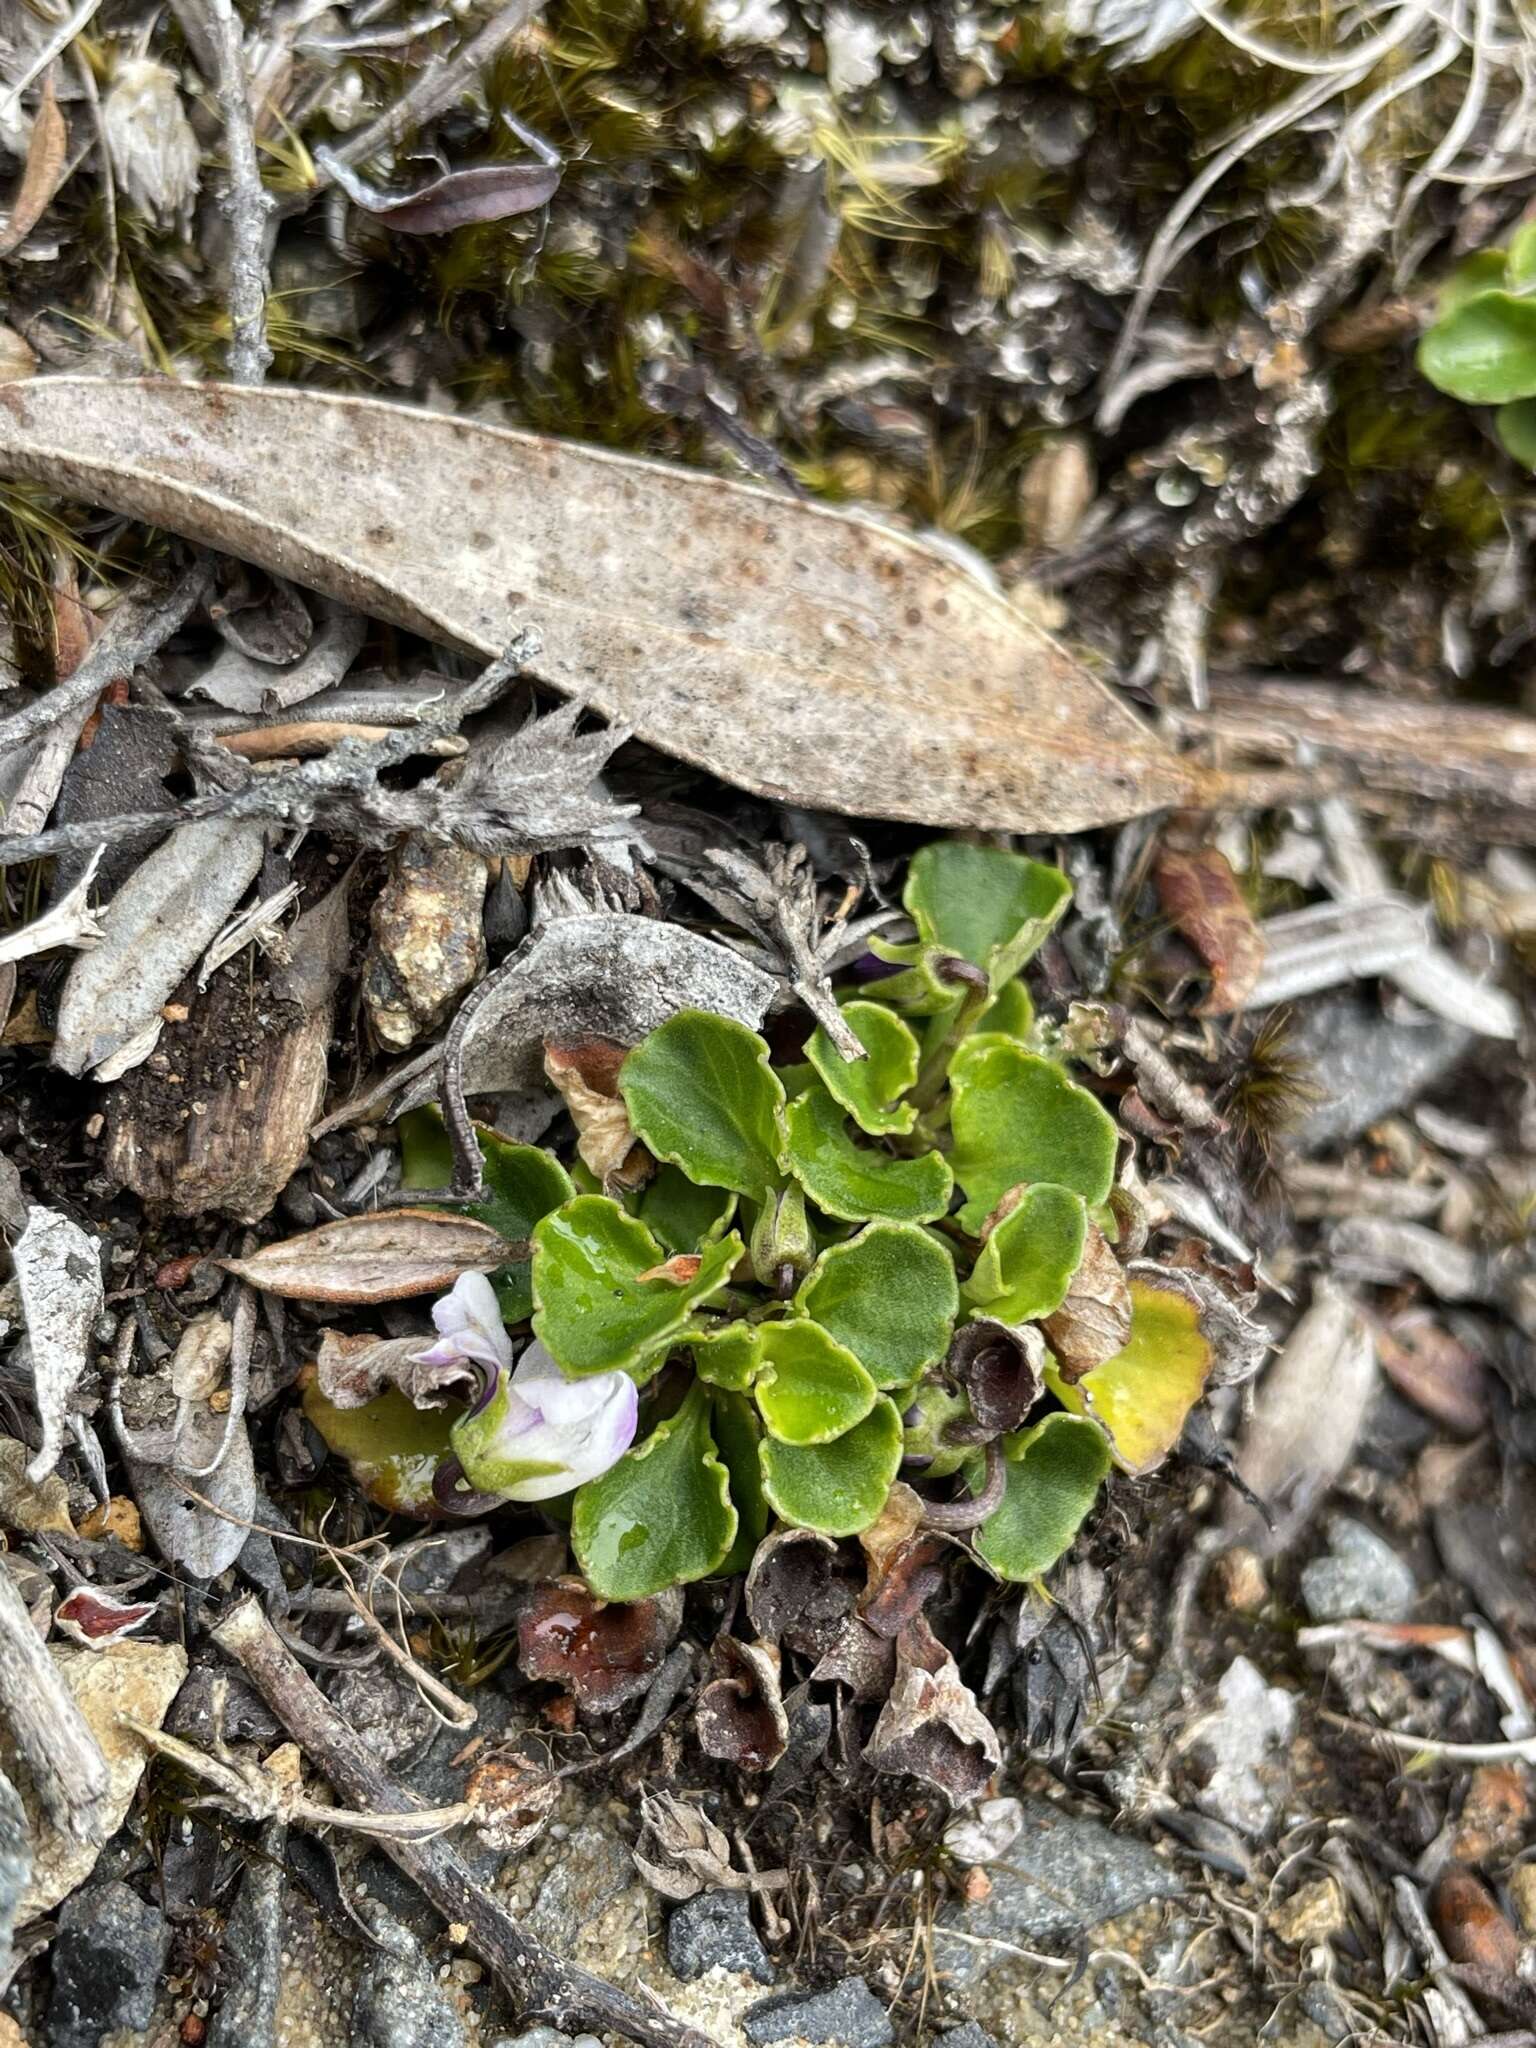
456,199
805,652
740,1713
1094,1322
355,1369
1469,1921
387,1257
801,1588
45,170
93,1617
1435,1370
586,1072
1200,894
859,1659
931,1727
604,1655
909,1577
680,1270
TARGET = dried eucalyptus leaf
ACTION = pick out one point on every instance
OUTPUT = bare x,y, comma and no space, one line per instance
155,929
58,1275
386,1257
801,651
238,681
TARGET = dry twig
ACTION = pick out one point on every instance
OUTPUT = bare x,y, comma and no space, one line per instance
246,205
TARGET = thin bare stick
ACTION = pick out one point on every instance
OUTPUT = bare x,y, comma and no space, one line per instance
136,631
246,205
533,1976
1523,1752
437,90
49,1730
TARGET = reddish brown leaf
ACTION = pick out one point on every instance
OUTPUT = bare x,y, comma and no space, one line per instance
1199,893
386,1257
1469,1922
46,167
740,1714
604,1656
1434,1370
681,1269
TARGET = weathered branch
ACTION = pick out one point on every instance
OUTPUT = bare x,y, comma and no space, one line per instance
62,1755
246,204
533,1976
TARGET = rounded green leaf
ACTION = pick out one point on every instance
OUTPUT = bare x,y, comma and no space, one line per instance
392,1447
1515,426
1011,1013
840,1487
888,1295
990,907
1055,1471
870,1089
1142,1396
594,1312
662,1516
700,1092
738,1433
1026,1265
727,1356
522,1183
1017,1118
809,1389
682,1214
1519,258
853,1181
1483,351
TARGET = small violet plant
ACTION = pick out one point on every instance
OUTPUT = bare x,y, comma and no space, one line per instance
919,1266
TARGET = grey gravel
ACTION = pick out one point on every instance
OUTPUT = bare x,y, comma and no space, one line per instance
107,1961
1360,1578
969,2036
399,2003
847,2016
1064,1873
715,1928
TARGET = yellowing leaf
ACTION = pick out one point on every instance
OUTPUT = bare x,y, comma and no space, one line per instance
1142,1396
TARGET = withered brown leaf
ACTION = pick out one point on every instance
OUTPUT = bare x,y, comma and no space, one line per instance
387,1257
1199,893
802,651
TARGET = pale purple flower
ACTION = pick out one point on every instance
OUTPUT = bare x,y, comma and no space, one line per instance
532,1433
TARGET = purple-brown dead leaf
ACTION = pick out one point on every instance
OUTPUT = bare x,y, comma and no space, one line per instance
386,1257
931,1727
740,1714
604,1656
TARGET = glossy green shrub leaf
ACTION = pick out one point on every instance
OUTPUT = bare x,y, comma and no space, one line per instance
1055,1471
1515,426
1026,1264
594,1312
738,1433
522,1183
1483,350
854,1181
1520,257
1142,1396
1017,1118
870,1089
662,1516
809,1389
683,1215
701,1093
888,1295
727,1356
838,1487
982,904
1485,270
393,1448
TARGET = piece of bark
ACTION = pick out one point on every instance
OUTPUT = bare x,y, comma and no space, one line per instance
536,1979
63,1757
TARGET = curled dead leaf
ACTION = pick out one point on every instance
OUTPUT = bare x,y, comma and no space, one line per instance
512,1797
587,1076
740,1713
95,1618
455,199
931,1727
354,1369
801,1588
1200,895
1094,1322
1000,1369
46,168
386,1257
